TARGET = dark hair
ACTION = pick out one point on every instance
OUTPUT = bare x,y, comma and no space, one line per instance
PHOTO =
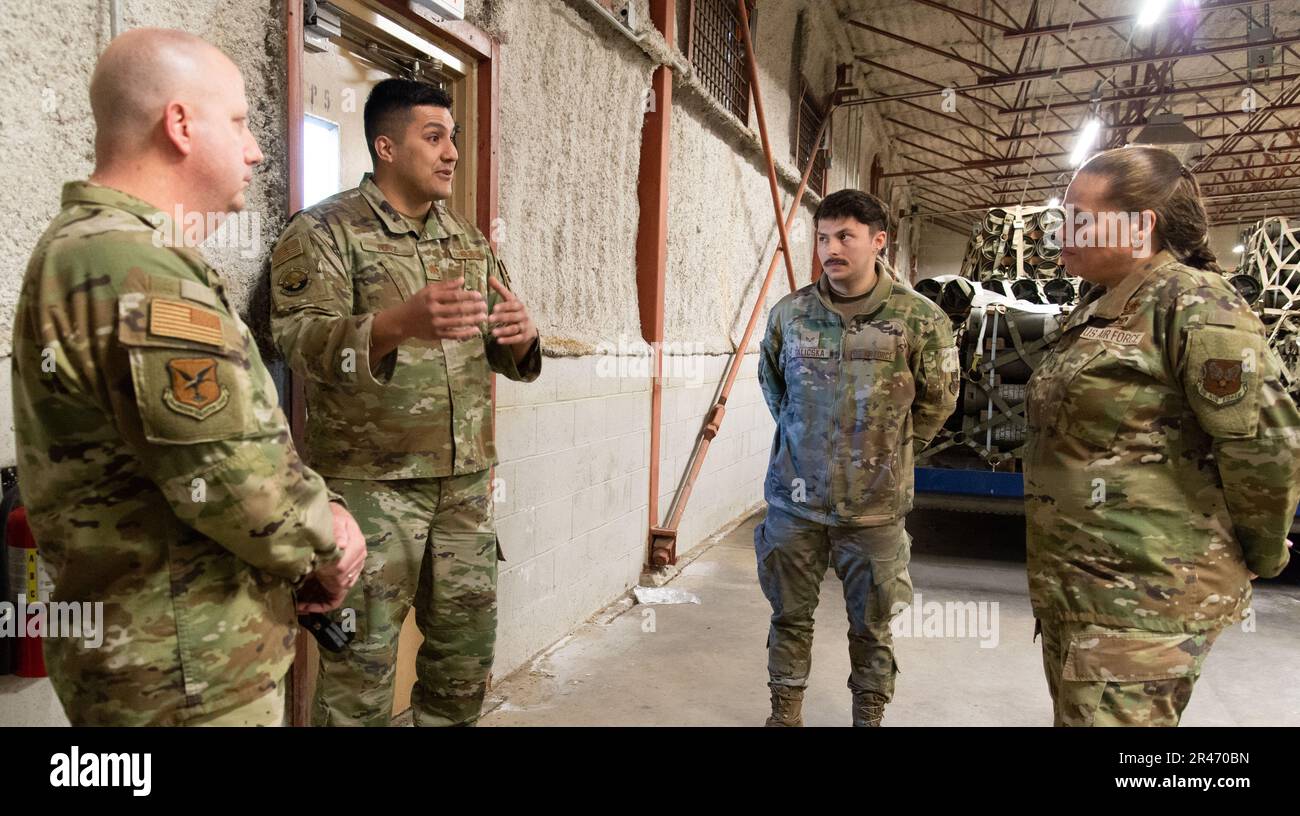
1141,177
389,105
863,207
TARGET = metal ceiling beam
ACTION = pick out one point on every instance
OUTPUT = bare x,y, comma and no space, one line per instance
918,129
937,86
1207,172
975,18
977,165
1170,91
1195,117
1220,196
996,77
1253,205
972,64
951,118
1062,28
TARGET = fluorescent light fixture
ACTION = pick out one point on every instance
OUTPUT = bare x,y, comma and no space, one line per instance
1239,249
1087,138
1166,129
1055,202
1150,12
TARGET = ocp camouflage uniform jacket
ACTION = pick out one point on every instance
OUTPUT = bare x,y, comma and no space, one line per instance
425,410
1162,461
157,470
851,400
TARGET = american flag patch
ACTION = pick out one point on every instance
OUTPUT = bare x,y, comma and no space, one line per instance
171,318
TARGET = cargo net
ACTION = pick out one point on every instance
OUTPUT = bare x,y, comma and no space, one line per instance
1269,279
1007,308
1011,243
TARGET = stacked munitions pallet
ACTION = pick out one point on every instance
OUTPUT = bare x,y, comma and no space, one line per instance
1007,307
1269,279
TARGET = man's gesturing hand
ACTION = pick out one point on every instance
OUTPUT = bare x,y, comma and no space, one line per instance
445,311
510,320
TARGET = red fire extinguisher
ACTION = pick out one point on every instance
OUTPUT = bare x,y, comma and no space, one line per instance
28,580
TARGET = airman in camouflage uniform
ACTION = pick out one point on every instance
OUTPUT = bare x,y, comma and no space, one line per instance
853,391
1161,472
158,473
407,439
154,461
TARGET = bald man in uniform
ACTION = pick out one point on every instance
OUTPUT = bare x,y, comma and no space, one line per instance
154,460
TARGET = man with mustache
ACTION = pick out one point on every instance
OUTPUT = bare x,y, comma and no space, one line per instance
395,311
856,368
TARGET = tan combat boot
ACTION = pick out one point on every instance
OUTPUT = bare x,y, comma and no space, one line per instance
868,708
787,708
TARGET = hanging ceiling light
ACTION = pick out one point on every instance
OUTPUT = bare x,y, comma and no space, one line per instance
1150,12
1087,139
1168,130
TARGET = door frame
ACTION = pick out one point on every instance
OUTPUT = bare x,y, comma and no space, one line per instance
486,52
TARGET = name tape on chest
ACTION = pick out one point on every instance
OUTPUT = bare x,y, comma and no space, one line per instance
813,352
1117,336
886,355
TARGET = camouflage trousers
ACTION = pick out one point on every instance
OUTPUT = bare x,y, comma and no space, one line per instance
266,711
1103,675
430,542
871,562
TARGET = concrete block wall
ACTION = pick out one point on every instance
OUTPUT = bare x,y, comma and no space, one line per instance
573,483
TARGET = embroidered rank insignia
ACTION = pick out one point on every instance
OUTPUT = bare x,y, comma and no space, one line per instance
1222,381
194,389
172,318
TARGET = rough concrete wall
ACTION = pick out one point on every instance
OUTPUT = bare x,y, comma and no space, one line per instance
940,251
571,113
722,230
721,237
47,134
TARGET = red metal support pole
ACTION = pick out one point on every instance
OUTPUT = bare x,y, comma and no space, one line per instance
652,241
664,538
767,144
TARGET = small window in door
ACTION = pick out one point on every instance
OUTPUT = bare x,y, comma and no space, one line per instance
321,159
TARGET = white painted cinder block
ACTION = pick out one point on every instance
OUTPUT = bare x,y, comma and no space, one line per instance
577,467
516,432
589,421
554,427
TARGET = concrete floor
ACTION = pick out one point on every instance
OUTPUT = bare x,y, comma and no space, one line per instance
705,664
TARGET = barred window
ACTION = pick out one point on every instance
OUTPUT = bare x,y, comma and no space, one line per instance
811,115
716,50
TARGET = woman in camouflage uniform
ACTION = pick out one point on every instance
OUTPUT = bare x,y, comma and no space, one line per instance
1161,468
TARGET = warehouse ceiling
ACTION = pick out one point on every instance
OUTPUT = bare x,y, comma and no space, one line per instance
986,98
